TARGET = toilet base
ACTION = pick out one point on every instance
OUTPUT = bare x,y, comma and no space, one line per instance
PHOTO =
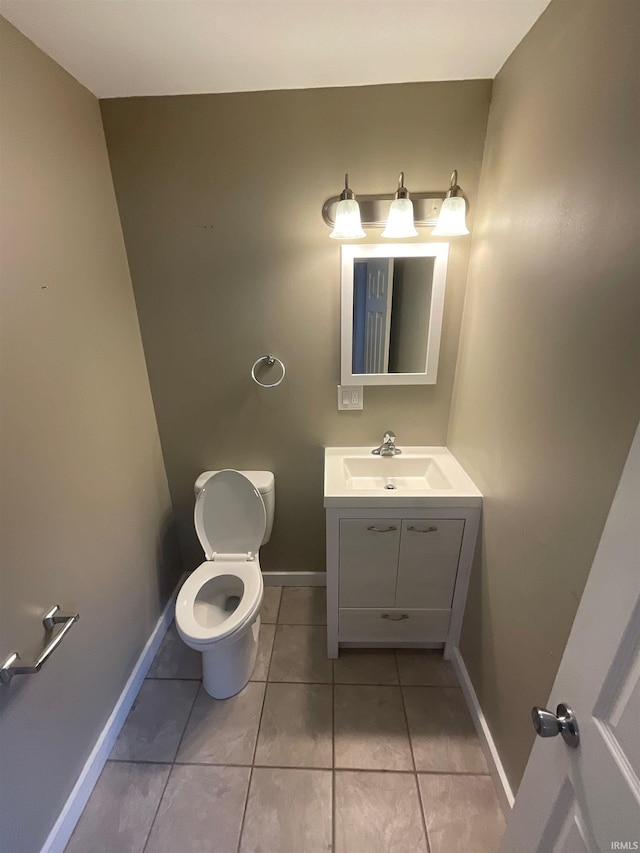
228,666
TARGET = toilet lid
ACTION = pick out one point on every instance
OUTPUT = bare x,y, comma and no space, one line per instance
230,517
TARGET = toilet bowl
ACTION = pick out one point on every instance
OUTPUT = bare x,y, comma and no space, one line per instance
218,606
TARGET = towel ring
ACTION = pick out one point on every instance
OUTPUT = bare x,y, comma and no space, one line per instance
270,360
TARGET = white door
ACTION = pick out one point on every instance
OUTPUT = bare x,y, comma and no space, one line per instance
587,799
378,315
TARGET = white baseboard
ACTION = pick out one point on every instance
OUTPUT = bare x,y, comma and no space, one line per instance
294,578
59,836
503,788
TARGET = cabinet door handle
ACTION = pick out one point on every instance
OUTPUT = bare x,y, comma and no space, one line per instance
417,529
397,618
382,529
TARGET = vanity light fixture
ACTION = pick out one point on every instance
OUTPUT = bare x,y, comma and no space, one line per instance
400,222
451,222
347,225
396,213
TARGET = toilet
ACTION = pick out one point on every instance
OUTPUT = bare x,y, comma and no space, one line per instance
218,606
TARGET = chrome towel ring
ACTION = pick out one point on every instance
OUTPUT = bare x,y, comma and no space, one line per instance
270,360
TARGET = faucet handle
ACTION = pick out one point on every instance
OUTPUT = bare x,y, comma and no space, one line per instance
389,437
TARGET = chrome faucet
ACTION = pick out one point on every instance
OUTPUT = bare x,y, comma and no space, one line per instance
388,446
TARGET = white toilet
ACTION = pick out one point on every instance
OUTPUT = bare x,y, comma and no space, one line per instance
218,606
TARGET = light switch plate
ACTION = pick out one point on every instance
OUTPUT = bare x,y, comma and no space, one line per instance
350,397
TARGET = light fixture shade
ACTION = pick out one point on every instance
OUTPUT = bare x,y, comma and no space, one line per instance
348,225
400,221
451,222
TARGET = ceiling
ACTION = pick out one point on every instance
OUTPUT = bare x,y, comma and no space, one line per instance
119,48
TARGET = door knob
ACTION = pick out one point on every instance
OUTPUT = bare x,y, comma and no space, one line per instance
563,722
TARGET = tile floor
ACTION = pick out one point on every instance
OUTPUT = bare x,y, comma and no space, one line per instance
372,753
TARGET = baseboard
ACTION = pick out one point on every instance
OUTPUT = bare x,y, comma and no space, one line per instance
294,578
61,833
503,788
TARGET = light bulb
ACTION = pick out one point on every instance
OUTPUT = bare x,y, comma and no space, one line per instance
451,222
400,220
347,225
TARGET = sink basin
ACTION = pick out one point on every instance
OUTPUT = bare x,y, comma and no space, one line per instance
420,476
394,472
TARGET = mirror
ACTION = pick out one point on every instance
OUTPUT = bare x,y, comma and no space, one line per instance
392,306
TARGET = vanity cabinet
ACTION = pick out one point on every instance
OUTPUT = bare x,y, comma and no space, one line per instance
398,577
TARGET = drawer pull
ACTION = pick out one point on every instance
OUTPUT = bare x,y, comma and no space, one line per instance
417,529
397,618
382,529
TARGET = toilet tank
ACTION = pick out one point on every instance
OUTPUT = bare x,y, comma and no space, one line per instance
265,483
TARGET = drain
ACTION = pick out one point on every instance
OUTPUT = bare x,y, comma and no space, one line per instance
231,603
391,486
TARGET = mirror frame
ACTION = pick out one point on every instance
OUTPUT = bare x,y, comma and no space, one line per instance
351,252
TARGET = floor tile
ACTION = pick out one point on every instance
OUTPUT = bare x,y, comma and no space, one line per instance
296,728
303,605
175,659
300,654
265,647
370,728
425,667
153,729
378,813
443,736
462,813
120,810
288,811
364,666
270,604
223,731
201,811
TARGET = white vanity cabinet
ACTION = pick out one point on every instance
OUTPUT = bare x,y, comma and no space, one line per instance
398,577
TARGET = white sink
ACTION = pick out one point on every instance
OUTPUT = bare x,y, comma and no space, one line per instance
420,476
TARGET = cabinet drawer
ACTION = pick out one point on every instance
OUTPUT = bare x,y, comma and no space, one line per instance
393,624
368,561
428,563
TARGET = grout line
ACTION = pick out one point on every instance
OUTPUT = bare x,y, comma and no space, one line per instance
333,758
279,604
413,758
172,678
324,768
423,815
155,814
273,648
244,809
173,763
255,746
186,725
325,683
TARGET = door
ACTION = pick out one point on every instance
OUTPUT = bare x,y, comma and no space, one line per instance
378,315
428,565
587,799
368,561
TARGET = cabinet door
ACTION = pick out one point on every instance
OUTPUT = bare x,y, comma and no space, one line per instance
368,561
429,552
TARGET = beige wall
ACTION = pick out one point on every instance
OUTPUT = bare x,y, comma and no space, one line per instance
84,498
546,398
220,198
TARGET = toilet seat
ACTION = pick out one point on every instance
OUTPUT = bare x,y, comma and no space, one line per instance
230,521
229,515
191,621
